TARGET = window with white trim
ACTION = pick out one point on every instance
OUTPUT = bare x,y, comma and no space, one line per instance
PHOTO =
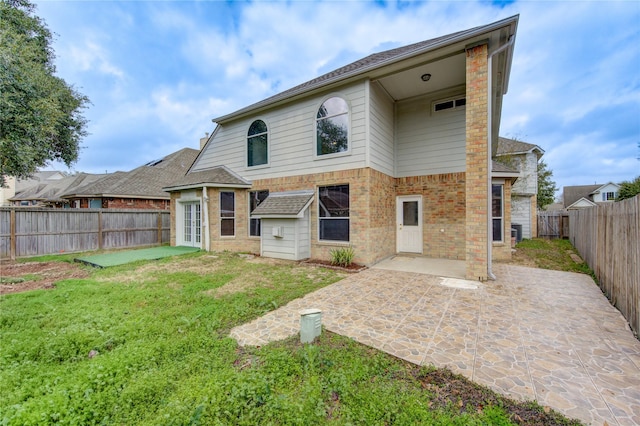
497,209
227,214
333,213
255,198
609,196
257,144
449,104
332,127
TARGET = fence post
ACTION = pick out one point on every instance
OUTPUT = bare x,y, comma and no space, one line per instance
12,231
159,223
100,230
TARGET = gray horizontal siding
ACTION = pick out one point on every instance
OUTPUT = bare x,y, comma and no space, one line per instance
429,142
291,140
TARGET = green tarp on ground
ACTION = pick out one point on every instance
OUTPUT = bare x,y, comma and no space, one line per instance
128,256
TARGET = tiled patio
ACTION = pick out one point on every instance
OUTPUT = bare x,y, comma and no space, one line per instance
531,334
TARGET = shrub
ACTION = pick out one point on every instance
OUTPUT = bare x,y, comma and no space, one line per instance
342,256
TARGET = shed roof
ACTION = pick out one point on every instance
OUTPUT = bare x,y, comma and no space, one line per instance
284,204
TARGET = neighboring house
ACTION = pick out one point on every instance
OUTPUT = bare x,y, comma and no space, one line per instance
523,157
7,191
577,197
390,154
140,188
44,189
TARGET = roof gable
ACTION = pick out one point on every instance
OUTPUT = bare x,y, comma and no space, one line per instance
378,61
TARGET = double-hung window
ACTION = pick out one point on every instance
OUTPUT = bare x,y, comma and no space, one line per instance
227,214
333,213
255,198
497,211
332,127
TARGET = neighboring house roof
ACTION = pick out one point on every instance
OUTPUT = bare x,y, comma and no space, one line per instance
146,181
571,194
51,190
376,61
514,147
499,169
582,202
284,204
220,176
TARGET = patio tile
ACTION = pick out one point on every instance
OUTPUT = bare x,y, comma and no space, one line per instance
532,334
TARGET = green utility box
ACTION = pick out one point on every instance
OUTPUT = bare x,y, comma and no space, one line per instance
310,324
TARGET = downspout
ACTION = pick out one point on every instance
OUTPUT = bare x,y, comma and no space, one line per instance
509,43
205,219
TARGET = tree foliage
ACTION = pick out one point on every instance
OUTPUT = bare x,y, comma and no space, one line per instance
40,114
629,189
546,186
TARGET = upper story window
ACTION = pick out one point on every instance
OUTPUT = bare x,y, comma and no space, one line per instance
609,196
450,104
332,127
257,146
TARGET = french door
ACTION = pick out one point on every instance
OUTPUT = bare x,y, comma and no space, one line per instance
191,224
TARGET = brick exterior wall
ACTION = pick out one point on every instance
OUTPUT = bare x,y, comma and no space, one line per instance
372,213
477,190
443,207
135,203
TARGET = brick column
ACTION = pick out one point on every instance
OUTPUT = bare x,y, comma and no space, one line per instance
477,173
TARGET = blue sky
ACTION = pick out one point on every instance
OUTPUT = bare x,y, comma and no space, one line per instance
157,72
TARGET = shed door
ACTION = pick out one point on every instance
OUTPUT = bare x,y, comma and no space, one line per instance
409,224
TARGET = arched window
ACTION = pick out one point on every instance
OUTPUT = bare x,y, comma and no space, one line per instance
332,127
257,147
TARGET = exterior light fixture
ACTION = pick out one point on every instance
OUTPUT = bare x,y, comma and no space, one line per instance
425,77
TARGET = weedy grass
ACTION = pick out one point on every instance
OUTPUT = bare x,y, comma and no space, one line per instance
551,254
152,347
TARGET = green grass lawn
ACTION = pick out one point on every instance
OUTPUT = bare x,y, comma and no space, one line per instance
147,344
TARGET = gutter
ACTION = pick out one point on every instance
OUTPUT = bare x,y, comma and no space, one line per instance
508,44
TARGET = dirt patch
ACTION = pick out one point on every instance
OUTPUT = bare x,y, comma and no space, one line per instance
17,277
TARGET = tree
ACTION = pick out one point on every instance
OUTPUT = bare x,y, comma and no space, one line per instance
40,114
546,186
629,189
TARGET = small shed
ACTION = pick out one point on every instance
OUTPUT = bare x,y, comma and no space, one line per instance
285,222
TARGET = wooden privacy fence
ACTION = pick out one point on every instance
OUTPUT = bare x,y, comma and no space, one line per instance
553,224
38,231
607,238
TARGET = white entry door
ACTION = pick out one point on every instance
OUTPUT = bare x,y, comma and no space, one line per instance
191,224
409,224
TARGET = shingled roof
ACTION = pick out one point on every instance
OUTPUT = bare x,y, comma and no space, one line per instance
146,181
512,147
51,190
284,204
219,176
370,63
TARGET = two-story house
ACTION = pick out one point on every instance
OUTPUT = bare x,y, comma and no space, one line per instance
524,158
581,196
389,154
